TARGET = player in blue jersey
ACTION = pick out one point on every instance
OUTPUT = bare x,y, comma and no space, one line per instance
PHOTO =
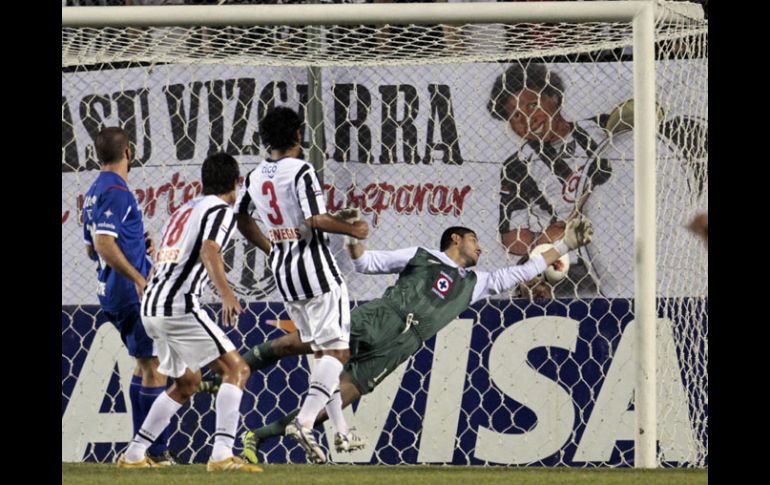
115,239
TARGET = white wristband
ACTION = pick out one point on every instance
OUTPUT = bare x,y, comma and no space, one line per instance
561,246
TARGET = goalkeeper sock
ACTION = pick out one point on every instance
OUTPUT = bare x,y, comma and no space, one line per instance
261,356
163,409
323,382
276,428
258,357
228,405
147,396
334,410
137,414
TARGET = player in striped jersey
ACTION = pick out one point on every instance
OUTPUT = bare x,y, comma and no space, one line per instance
186,337
289,200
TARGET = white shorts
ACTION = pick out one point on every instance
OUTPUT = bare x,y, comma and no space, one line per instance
188,341
324,320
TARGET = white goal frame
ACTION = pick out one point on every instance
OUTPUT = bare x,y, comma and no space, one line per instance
642,13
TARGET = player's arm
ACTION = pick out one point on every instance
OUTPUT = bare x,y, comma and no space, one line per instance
212,260
107,247
91,253
577,233
108,216
313,205
216,232
248,227
88,240
330,224
520,240
246,223
372,262
380,262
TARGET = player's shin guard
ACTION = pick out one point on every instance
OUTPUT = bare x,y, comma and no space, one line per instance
228,405
137,413
161,412
323,382
147,396
334,411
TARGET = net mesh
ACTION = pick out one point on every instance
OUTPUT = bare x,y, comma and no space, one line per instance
419,137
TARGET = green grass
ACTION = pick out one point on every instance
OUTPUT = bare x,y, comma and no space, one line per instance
90,473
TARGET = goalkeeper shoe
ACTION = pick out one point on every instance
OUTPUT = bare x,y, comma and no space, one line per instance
304,436
209,385
232,464
143,463
250,444
349,442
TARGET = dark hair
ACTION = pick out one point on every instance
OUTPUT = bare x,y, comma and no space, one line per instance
219,174
534,76
446,238
110,145
278,128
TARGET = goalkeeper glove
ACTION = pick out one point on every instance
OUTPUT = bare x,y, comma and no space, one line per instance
577,233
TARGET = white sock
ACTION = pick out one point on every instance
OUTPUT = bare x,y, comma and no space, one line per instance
228,412
323,382
334,410
161,412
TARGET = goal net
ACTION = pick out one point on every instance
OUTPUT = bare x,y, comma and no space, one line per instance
504,128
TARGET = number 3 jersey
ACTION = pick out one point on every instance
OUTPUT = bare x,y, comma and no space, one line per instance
285,193
179,274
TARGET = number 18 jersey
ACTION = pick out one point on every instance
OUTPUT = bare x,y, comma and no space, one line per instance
180,274
285,193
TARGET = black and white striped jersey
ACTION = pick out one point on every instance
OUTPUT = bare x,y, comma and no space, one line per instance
285,193
179,273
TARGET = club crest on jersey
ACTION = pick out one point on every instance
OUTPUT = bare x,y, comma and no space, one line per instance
442,285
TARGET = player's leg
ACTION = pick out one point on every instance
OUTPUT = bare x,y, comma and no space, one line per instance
153,385
137,417
153,381
324,384
252,438
346,394
167,403
149,383
325,321
234,372
163,409
265,355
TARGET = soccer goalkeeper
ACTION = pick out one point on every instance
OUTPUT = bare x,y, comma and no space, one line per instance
433,288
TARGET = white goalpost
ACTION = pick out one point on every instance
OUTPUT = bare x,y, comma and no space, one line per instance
401,122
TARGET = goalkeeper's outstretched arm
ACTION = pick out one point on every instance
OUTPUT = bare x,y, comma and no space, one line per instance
577,233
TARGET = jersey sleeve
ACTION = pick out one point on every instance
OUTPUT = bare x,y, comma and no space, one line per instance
244,203
218,226
488,284
111,210
384,262
309,192
87,239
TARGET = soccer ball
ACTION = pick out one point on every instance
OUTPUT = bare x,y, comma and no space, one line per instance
557,271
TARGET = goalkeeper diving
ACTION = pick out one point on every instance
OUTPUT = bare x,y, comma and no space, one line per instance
432,289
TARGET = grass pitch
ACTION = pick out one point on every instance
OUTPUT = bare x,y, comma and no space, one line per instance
92,473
